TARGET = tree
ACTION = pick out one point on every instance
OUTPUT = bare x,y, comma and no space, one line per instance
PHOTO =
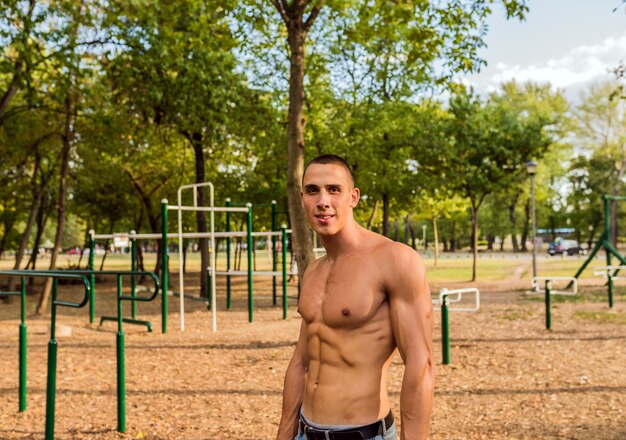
424,35
491,144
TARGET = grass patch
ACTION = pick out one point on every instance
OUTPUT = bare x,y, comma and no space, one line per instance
592,296
609,317
515,314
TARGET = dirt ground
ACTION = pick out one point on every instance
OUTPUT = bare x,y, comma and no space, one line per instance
509,377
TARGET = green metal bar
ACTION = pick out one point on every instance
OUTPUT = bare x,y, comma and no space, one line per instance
164,274
52,366
284,250
610,278
548,312
610,197
147,324
121,383
274,240
445,331
92,280
228,286
22,348
250,265
590,258
133,278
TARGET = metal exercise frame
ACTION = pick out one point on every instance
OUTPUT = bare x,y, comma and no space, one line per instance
447,297
605,242
549,291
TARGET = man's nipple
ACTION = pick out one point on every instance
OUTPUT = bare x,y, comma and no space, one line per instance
345,312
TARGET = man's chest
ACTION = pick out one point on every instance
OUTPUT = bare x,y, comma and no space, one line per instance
342,295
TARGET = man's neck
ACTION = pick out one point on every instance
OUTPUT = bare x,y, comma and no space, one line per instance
344,242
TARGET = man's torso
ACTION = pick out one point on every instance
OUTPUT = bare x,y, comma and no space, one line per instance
349,337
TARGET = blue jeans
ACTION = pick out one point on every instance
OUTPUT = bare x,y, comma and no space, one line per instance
390,435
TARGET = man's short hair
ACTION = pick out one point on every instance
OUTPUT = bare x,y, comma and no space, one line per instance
325,159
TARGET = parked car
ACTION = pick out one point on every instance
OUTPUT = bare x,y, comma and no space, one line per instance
570,247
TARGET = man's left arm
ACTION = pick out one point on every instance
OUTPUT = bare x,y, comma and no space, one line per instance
412,323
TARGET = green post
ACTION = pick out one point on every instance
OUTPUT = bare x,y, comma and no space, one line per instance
228,299
22,399
52,367
610,278
548,313
250,297
92,277
445,330
121,382
133,267
164,258
274,229
284,251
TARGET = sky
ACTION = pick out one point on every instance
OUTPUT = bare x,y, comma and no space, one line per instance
568,43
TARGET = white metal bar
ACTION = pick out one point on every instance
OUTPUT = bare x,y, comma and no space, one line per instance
103,236
455,296
609,271
205,208
254,272
536,286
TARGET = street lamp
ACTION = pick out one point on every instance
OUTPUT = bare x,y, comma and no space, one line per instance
531,167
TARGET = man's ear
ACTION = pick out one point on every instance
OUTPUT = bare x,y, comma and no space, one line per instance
355,196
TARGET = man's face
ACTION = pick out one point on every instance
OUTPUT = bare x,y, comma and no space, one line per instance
328,197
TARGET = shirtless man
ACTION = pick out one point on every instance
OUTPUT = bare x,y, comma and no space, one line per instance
366,298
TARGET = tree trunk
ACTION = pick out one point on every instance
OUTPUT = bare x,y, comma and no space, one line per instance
436,236
513,220
370,220
38,194
474,212
453,237
300,237
526,227
386,214
42,218
67,142
200,217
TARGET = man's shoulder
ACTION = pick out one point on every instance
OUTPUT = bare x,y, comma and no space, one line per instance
396,252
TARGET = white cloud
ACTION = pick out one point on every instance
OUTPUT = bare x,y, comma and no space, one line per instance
580,65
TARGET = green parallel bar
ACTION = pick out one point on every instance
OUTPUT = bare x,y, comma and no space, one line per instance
228,298
121,383
164,258
274,240
548,312
445,331
133,278
52,367
284,250
250,252
23,343
148,324
610,278
92,279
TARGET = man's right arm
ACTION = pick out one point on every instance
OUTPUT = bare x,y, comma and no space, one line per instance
293,389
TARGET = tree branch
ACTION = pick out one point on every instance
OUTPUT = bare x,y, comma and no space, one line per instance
313,15
280,7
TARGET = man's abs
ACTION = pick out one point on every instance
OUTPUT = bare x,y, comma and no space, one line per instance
345,382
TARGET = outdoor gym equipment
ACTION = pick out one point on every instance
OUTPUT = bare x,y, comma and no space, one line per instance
548,291
611,273
250,272
274,238
605,242
447,297
130,240
212,236
52,344
22,344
